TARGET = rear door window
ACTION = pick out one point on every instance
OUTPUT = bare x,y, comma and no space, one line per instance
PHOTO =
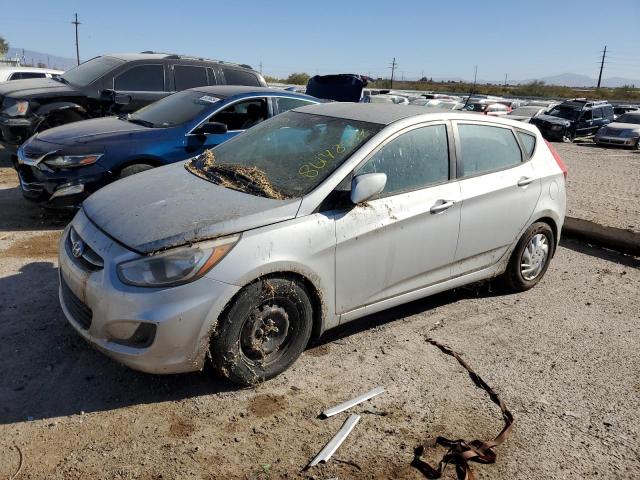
413,160
240,77
486,148
187,76
597,113
143,78
608,111
285,103
243,115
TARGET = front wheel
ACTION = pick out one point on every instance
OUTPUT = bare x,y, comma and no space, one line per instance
263,332
637,145
530,259
568,137
133,169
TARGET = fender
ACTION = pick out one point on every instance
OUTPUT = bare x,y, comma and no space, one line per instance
61,106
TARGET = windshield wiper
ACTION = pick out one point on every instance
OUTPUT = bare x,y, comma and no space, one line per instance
61,80
139,121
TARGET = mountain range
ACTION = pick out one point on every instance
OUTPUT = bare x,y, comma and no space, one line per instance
31,57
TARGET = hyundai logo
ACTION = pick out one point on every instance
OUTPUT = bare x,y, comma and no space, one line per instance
77,248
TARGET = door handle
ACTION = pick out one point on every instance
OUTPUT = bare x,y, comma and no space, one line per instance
441,207
524,181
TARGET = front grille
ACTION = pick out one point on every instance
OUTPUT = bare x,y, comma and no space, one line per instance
88,259
78,310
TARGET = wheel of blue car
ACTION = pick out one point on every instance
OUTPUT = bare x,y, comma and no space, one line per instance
133,169
263,332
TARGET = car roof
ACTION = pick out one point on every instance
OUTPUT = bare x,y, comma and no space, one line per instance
130,57
224,91
388,113
381,113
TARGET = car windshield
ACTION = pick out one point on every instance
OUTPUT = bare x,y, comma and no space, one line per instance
525,111
87,72
629,118
285,157
174,110
567,113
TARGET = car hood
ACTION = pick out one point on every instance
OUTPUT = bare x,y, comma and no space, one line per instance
97,129
169,206
553,120
623,126
36,87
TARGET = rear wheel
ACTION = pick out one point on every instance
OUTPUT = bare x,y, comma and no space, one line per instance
530,259
133,169
263,332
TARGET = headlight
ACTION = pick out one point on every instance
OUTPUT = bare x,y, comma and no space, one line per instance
556,127
176,266
72,161
18,109
630,133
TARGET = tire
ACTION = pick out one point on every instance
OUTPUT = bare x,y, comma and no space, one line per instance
276,309
518,279
133,169
637,145
59,118
568,137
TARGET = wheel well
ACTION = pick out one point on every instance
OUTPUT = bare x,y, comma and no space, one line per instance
315,297
554,228
154,162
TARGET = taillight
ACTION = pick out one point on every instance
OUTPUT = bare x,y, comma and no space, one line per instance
556,156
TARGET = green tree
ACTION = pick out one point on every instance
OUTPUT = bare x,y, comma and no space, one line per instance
4,46
300,78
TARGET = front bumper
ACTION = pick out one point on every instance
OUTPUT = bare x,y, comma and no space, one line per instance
619,141
103,310
15,130
40,186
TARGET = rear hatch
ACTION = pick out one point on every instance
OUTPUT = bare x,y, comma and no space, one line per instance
340,88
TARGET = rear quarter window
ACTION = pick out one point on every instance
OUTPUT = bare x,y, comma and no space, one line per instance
240,77
528,141
486,148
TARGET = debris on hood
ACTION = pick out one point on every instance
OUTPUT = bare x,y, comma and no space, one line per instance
236,177
345,87
330,448
460,451
350,403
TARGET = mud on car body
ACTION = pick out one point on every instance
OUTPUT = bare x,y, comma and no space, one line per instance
574,118
62,166
115,83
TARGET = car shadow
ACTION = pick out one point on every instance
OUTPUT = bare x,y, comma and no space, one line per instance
48,371
18,214
599,252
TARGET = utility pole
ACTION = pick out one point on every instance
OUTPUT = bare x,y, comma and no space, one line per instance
76,23
393,67
260,67
505,80
604,54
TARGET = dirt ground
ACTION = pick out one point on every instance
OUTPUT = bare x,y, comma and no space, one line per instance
563,356
603,185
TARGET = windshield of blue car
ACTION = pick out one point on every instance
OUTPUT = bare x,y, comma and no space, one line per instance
565,112
175,109
285,157
629,118
87,72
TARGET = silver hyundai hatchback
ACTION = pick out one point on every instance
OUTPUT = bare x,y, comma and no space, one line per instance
309,220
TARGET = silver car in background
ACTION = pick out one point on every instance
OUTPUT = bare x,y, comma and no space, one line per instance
309,220
623,132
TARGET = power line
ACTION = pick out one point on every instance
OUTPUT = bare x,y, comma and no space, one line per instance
76,23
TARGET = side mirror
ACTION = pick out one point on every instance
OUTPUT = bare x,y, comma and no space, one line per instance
213,128
121,99
367,186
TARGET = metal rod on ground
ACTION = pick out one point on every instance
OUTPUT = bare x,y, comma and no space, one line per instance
350,403
330,448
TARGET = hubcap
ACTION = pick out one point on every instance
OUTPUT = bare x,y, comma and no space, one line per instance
264,332
534,257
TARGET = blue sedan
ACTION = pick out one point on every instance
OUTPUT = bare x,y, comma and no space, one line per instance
60,167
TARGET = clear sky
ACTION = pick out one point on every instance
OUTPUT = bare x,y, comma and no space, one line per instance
521,38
